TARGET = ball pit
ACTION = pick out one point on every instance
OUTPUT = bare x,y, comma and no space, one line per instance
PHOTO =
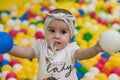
23,25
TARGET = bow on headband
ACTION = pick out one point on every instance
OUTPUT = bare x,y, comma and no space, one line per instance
69,20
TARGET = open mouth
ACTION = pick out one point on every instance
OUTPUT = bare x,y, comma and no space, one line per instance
56,43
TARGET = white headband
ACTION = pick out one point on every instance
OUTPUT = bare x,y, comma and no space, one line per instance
69,20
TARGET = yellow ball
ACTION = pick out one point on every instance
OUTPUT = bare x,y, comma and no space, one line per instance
6,68
101,76
115,61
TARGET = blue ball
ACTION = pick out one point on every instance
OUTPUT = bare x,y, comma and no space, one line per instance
106,55
4,62
6,42
81,11
77,65
79,75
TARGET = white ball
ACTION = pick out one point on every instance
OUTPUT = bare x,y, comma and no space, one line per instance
17,67
94,70
113,77
38,18
12,79
110,41
87,24
95,27
116,26
103,16
6,56
4,73
89,76
3,15
11,23
91,7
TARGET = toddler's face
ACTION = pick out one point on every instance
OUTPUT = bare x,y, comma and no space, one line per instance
57,34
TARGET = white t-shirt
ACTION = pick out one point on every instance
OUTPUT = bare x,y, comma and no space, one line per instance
59,65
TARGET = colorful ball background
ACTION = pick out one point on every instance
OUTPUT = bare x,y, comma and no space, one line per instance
24,21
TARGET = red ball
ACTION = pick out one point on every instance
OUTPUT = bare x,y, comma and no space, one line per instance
14,61
106,71
105,23
99,20
23,30
116,71
11,75
13,33
39,35
115,22
103,60
99,65
92,14
1,57
109,9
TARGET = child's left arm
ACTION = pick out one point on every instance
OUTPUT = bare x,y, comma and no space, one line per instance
88,53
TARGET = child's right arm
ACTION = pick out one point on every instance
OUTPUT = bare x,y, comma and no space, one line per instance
22,52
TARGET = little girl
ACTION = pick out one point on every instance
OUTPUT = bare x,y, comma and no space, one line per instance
56,55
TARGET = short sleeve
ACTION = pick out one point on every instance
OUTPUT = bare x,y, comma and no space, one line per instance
73,48
36,48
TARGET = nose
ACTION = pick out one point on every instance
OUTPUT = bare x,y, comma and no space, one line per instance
57,35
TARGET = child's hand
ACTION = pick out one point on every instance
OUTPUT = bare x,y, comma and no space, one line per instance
98,47
6,42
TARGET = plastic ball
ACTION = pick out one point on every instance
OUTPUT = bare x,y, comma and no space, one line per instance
14,61
82,70
109,41
6,57
79,75
11,75
104,23
116,71
99,65
6,67
103,60
99,20
94,71
1,58
12,79
116,26
4,73
113,77
102,15
114,60
3,15
39,35
13,33
110,17
17,67
105,71
1,27
88,24
115,22
89,75
106,55
10,23
109,9
4,62
92,14
77,65
81,11
6,42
